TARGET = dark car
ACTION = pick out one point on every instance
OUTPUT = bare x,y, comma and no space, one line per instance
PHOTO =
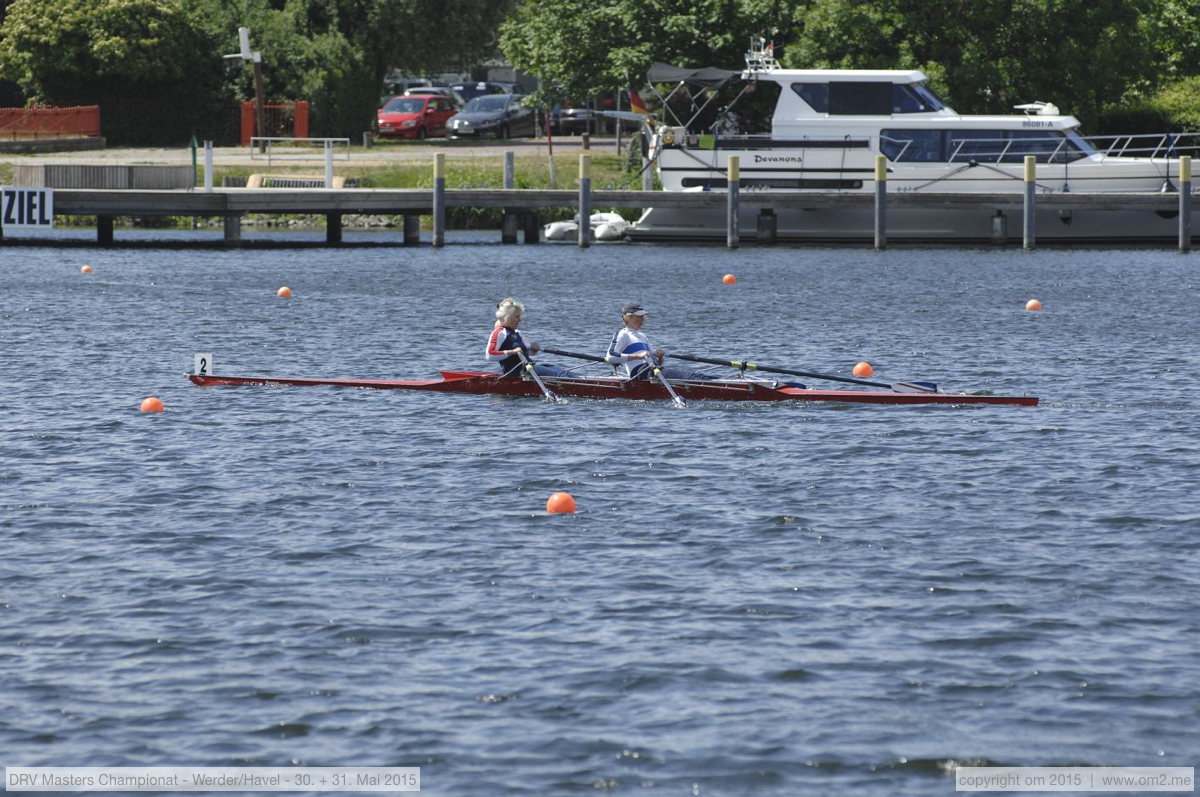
472,90
416,116
498,115
573,119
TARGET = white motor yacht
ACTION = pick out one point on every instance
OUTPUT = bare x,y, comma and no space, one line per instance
829,125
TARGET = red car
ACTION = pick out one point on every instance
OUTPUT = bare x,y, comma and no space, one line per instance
416,116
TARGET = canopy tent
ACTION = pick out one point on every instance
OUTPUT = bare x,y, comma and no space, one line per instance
706,79
709,76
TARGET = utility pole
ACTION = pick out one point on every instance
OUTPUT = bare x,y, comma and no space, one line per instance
260,111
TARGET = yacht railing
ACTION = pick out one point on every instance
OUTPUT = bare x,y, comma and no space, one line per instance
981,150
1013,149
1147,145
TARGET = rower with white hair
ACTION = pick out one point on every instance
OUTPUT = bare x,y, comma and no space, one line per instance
507,346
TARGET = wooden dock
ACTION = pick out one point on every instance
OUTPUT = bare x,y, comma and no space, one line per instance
524,205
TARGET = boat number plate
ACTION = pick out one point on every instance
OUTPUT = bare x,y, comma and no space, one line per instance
202,365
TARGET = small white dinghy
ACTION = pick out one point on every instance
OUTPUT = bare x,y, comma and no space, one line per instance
605,227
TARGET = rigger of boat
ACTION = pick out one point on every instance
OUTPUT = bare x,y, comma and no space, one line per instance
744,386
828,127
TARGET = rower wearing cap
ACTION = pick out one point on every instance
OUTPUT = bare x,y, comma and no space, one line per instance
506,344
630,347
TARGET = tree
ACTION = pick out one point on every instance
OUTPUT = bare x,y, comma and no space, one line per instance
336,53
594,47
985,56
112,53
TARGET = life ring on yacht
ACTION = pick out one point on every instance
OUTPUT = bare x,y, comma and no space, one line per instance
668,137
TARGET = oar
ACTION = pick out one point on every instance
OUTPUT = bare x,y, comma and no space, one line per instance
575,354
657,371
899,387
529,369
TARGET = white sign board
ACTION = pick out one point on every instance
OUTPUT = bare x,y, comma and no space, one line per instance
202,364
27,208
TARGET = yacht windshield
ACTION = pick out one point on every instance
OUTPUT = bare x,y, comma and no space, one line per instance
915,98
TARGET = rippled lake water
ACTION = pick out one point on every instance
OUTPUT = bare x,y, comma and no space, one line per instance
751,598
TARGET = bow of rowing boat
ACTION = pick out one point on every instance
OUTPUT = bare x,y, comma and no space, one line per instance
480,382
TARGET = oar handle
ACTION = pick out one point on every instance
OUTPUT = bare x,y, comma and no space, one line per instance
575,354
747,366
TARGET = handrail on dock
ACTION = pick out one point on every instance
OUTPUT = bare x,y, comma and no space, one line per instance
271,145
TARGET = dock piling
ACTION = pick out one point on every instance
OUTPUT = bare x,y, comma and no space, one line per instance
1028,232
412,229
533,227
439,199
585,200
1185,203
233,230
880,202
509,222
734,181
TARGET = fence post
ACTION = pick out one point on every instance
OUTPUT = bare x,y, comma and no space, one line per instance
300,119
1028,230
208,166
1185,203
247,122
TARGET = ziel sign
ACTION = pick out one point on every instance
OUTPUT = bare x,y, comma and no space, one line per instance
26,209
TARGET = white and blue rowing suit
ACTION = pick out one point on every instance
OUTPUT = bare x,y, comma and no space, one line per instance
503,339
628,341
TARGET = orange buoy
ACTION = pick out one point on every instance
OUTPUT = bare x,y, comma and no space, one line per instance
284,292
560,503
1033,305
86,269
729,279
152,404
863,369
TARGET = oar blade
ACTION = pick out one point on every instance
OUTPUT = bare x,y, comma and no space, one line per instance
915,387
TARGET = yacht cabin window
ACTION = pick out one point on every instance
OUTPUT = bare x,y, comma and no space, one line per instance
981,146
867,99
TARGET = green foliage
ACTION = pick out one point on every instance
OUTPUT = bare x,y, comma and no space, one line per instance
585,48
1179,104
985,56
124,55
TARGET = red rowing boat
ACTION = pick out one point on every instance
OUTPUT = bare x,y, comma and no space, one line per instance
609,387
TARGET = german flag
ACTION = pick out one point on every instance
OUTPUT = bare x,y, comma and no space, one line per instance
635,102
